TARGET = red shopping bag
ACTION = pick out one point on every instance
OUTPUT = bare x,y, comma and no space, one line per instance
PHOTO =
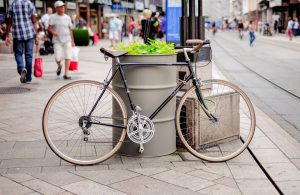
96,38
38,65
74,61
73,65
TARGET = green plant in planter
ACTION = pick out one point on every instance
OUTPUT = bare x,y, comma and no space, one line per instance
155,47
81,37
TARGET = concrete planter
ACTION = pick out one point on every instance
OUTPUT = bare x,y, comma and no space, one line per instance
149,86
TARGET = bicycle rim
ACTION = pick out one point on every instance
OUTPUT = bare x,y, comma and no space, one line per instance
221,139
62,123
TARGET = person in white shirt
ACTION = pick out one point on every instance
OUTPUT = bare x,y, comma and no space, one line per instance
120,26
296,27
290,28
45,18
60,26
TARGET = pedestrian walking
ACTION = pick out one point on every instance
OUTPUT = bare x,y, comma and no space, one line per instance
147,27
45,18
214,28
251,33
296,27
290,28
241,29
60,26
132,30
21,17
120,28
275,26
113,31
162,30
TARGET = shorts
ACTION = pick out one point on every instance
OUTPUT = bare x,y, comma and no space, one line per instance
114,35
63,50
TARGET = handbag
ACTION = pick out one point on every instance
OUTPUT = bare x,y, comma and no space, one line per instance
74,61
38,65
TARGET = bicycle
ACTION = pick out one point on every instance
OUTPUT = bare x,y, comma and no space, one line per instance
85,122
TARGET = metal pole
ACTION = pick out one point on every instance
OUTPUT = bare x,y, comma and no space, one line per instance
184,25
192,25
201,30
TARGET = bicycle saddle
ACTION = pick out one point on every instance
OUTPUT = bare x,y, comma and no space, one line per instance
113,53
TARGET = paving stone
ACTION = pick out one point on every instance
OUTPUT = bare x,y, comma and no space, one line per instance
296,162
149,171
27,136
34,149
3,132
3,125
227,182
246,172
270,156
157,164
20,177
183,169
193,164
107,177
42,187
89,187
217,168
58,178
124,166
205,175
261,142
244,158
283,171
254,187
10,187
91,168
5,148
168,158
287,144
183,180
12,163
187,156
220,189
27,170
289,187
58,169
149,186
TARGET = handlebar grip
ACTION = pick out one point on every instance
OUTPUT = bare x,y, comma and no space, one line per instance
194,41
206,42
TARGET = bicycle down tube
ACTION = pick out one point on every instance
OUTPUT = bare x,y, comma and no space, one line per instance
119,68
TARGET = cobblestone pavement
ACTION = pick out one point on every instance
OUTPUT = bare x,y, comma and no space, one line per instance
27,165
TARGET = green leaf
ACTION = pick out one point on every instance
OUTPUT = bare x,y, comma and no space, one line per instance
155,47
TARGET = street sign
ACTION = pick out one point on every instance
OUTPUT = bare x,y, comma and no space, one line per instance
173,14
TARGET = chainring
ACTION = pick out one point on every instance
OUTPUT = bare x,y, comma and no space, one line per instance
142,134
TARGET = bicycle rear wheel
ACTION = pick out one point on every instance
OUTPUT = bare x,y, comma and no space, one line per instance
221,139
66,129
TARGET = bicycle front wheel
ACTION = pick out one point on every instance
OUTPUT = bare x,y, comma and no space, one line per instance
224,136
67,128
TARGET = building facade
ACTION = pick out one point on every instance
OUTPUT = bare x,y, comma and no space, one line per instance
236,10
269,11
95,12
216,10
